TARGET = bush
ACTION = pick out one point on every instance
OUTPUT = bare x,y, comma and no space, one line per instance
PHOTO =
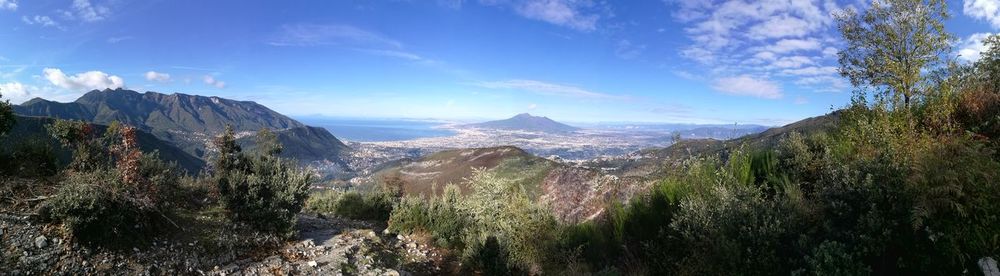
118,204
497,224
354,205
440,217
260,190
29,158
324,202
834,258
92,207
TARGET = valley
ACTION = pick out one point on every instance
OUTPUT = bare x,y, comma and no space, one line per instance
565,144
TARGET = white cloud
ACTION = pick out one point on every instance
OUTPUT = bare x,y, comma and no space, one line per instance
545,88
794,45
828,83
792,62
157,76
116,39
333,34
781,26
14,91
812,71
969,49
744,41
800,100
532,106
210,80
765,55
627,50
745,85
565,13
686,75
41,20
699,54
8,5
830,52
88,12
988,10
393,53
87,80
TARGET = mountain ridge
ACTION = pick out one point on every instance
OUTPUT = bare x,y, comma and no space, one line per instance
189,122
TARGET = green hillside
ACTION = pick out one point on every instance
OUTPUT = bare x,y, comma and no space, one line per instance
655,163
454,166
33,129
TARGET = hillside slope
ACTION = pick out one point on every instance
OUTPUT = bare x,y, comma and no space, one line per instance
34,129
653,163
572,193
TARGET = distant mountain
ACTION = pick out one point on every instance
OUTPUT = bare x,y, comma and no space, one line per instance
189,121
161,112
527,122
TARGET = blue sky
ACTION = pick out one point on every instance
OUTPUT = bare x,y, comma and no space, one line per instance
691,61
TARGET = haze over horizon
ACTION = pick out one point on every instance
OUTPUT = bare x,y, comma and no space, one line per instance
749,62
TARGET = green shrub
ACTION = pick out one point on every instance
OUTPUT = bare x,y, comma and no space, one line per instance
491,258
324,202
440,217
29,158
92,206
115,205
499,207
260,190
834,258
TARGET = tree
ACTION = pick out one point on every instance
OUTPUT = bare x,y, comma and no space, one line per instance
267,142
6,116
987,69
259,189
894,46
229,150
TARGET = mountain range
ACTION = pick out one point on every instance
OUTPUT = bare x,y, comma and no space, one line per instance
189,122
527,122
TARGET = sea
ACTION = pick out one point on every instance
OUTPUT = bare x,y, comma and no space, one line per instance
377,130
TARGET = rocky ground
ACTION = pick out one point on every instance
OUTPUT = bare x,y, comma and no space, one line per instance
338,247
328,246
325,245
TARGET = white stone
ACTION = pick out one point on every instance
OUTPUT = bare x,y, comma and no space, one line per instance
40,242
989,266
312,263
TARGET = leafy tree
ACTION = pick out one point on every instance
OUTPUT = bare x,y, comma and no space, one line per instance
893,46
229,151
988,66
7,117
89,152
267,142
